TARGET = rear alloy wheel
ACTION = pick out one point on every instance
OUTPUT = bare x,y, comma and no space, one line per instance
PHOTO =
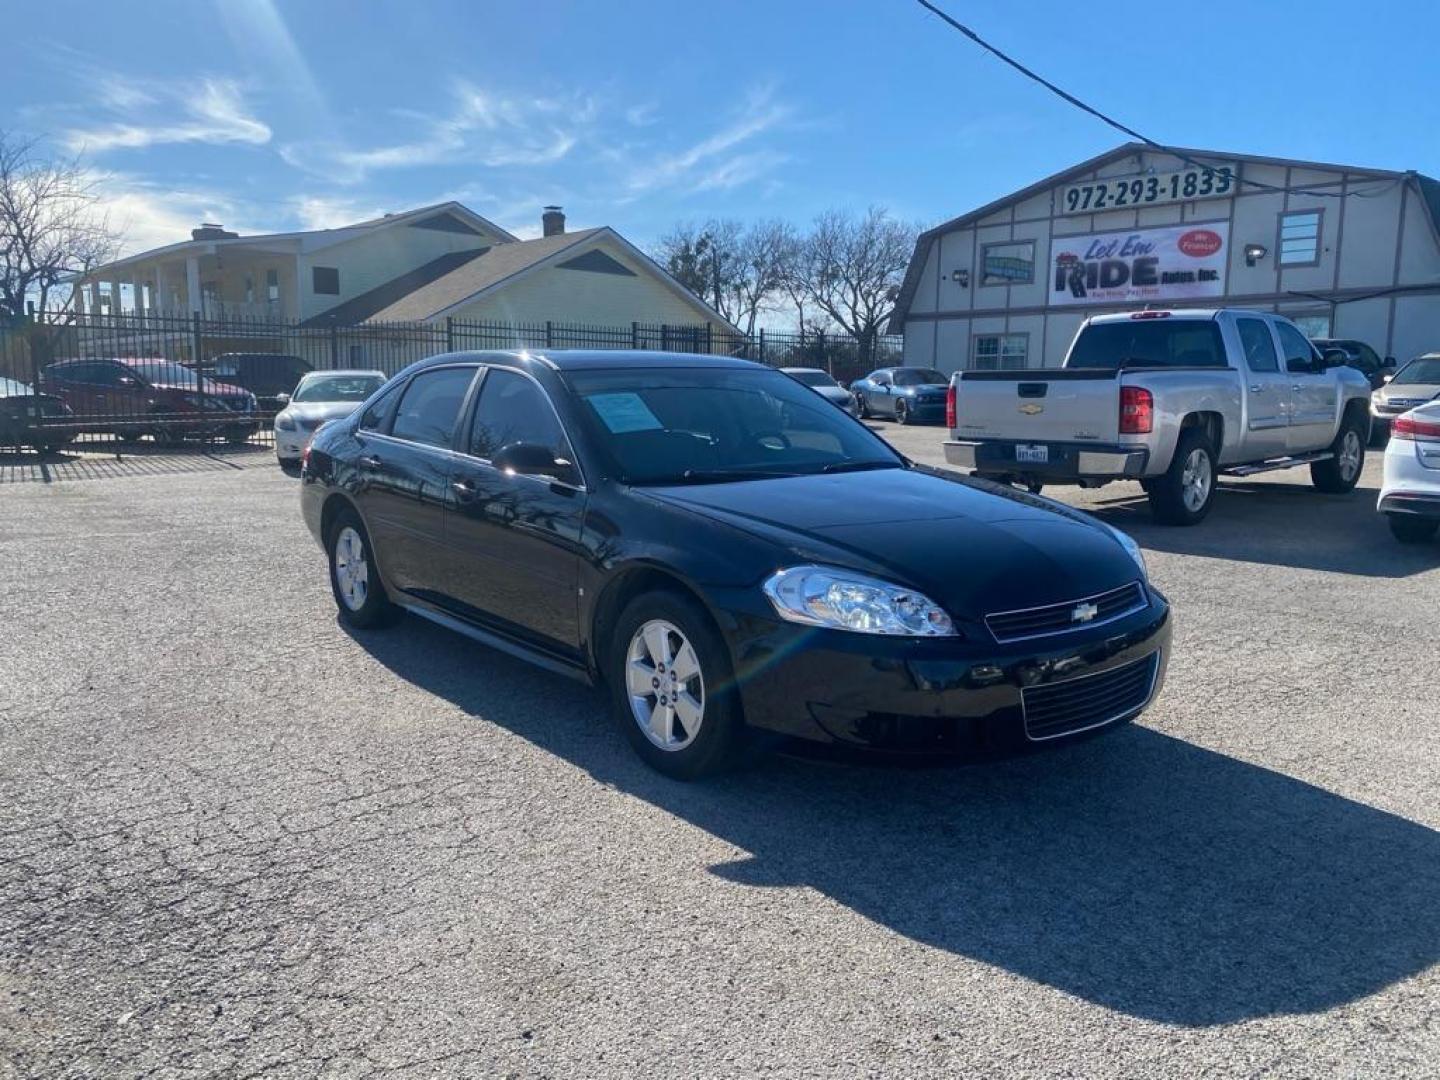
669,678
354,578
861,409
902,412
1184,493
1409,529
1341,473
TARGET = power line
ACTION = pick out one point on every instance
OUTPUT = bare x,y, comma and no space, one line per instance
999,54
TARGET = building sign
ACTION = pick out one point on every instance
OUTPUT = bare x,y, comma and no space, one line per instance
1136,266
1157,189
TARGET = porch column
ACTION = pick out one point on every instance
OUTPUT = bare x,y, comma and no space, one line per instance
117,302
78,298
95,307
192,282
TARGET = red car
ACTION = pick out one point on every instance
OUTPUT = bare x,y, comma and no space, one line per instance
146,396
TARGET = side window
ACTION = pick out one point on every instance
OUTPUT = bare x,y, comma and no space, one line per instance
110,375
1294,345
325,280
381,409
881,378
430,405
1259,346
512,409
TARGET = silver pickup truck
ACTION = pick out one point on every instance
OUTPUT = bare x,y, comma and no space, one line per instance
1169,398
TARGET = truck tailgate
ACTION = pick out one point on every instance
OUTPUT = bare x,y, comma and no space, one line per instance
1059,405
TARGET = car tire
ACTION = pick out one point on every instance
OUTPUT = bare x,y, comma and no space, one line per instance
1185,492
1409,529
862,411
902,413
354,577
696,671
1341,473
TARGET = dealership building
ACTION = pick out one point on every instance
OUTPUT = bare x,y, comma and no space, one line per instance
1344,251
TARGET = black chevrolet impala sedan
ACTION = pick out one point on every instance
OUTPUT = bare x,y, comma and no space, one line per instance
727,553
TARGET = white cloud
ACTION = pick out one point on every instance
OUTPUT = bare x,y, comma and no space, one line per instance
214,111
328,212
709,163
149,215
480,128
642,115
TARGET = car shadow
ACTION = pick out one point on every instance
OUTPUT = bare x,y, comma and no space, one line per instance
1280,524
1136,871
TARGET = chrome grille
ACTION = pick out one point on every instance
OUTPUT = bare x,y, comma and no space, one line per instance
1073,705
1062,618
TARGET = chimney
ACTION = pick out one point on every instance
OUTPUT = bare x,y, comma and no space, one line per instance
210,231
552,221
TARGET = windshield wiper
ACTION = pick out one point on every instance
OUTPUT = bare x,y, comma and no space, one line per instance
720,476
858,466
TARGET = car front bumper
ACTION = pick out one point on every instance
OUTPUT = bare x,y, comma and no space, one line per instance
1066,462
940,695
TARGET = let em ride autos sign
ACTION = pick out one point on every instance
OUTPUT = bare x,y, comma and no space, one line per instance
1179,262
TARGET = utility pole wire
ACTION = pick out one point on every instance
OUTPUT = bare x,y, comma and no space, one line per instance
1116,124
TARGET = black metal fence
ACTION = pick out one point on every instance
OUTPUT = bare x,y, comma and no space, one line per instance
191,386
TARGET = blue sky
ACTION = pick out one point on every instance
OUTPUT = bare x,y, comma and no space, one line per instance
268,115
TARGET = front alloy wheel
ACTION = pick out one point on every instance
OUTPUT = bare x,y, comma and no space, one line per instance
669,676
667,688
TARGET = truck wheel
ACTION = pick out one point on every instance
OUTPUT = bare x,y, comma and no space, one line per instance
1413,530
1183,494
1342,472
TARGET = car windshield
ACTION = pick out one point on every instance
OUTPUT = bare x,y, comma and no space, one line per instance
337,387
812,378
919,377
698,425
162,372
1424,371
1148,343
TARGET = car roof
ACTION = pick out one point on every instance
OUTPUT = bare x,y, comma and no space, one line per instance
794,370
593,359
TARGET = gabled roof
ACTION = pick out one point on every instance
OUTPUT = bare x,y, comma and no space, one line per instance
359,308
311,239
497,266
916,269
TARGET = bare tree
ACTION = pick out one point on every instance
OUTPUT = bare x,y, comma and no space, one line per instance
851,267
739,270
50,226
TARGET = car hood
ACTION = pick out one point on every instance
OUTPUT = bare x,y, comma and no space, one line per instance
1407,392
971,546
321,410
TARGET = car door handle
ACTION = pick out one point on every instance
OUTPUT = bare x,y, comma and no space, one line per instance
465,490
1256,388
370,461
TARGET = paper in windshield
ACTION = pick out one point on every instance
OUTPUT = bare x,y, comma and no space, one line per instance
624,412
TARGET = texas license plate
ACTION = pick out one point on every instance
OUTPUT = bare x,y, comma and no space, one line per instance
1037,454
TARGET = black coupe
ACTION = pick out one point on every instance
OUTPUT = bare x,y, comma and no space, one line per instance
725,551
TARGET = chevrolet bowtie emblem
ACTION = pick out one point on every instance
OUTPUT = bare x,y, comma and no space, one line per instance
1030,408
1084,613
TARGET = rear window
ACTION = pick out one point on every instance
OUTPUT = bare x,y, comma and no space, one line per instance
1148,343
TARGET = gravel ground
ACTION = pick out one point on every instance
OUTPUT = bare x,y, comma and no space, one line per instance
236,839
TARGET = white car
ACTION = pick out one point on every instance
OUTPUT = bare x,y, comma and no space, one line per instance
1410,495
320,396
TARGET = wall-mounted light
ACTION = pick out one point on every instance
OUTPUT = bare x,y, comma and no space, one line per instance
1254,253
961,278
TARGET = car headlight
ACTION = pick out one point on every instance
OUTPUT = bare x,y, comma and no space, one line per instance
1131,548
284,422
846,600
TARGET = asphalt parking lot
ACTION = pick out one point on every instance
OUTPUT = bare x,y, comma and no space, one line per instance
237,840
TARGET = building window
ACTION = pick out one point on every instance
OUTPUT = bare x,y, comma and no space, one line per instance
991,352
1300,238
325,280
1007,264
272,286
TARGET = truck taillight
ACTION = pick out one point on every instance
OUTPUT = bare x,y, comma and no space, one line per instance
950,406
1407,427
1137,411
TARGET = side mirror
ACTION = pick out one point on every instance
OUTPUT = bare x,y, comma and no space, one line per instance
1388,376
1389,362
282,399
1336,358
530,459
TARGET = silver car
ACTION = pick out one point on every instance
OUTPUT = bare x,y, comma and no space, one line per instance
320,396
1414,384
824,385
